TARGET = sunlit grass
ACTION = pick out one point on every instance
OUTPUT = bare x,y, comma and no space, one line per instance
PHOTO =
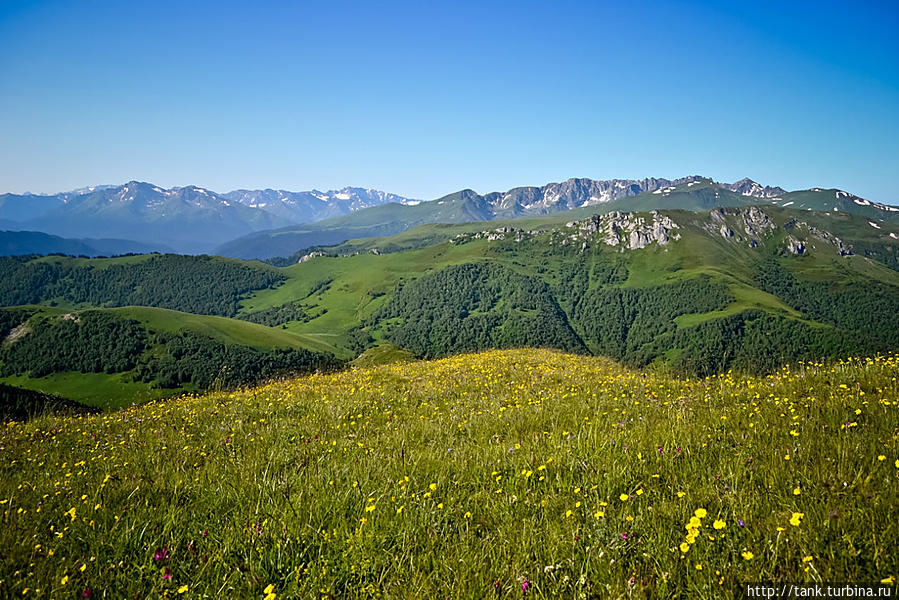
498,474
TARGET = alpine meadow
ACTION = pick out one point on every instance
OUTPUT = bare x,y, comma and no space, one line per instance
638,383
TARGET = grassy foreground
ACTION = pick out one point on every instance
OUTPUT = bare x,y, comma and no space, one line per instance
498,474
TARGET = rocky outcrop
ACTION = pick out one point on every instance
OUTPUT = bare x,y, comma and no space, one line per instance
794,246
310,256
626,230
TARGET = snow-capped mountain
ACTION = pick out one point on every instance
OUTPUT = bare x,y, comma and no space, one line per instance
188,219
574,193
305,207
748,187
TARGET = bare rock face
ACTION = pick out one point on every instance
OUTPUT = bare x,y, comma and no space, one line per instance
310,256
726,232
794,246
843,249
756,222
627,230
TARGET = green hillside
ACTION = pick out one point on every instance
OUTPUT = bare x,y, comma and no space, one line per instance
115,357
699,292
347,290
476,476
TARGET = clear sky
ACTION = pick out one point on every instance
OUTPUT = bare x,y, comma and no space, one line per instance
425,98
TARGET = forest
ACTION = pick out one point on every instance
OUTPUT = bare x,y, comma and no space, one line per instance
488,305
866,307
473,306
203,285
95,341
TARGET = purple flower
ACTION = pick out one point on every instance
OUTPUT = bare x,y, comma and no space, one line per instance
161,553
524,586
740,522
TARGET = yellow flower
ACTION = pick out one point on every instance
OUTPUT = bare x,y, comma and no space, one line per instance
623,497
698,567
796,519
567,513
681,494
797,490
369,508
598,514
684,547
182,589
701,513
268,589
467,515
747,555
640,492
888,580
806,559
433,487
719,524
881,457
64,580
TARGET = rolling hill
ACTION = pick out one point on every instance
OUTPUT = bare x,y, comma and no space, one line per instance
109,358
745,287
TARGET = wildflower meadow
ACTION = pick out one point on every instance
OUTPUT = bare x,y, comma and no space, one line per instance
501,474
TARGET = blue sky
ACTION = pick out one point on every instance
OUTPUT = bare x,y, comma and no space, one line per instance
423,99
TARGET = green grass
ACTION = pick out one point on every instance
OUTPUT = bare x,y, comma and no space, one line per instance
463,478
111,391
229,331
101,390
745,297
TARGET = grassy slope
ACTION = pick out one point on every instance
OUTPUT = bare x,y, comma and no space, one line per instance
114,390
229,331
464,478
101,390
357,280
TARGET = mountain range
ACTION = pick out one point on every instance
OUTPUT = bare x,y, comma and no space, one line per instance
185,219
576,197
262,224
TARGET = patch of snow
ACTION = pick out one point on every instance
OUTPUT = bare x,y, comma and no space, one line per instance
788,203
874,225
413,202
342,196
894,236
